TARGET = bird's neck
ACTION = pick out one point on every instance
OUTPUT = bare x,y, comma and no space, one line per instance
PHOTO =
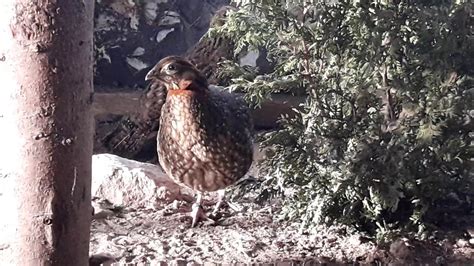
185,106
188,88
185,92
190,98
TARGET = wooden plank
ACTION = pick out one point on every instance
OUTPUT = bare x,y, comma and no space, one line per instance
119,103
127,103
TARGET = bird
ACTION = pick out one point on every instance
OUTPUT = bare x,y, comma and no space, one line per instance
205,138
133,135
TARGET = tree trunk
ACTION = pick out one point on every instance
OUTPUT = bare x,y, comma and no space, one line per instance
46,74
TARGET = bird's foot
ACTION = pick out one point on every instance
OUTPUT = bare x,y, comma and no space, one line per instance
198,214
217,207
221,203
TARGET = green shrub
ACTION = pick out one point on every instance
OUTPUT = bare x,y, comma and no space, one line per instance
384,140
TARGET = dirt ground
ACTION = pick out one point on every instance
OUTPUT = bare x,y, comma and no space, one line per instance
253,234
250,235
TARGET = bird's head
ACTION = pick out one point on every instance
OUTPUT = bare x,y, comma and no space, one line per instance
177,73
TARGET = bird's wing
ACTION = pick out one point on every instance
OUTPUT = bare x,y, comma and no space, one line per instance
237,111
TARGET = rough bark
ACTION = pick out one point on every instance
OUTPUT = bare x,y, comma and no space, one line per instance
46,73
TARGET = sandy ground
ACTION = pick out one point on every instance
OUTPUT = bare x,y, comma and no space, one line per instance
162,236
251,235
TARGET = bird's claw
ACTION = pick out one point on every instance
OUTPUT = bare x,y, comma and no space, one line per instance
198,214
223,202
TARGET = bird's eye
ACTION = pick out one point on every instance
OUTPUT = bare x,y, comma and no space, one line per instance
171,67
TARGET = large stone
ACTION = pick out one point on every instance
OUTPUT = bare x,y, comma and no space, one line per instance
130,183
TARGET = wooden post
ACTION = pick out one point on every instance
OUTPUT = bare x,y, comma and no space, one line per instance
46,74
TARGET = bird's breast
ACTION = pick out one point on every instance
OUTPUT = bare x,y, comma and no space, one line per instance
199,144
182,121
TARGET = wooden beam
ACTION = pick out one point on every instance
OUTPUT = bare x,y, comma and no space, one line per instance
127,103
118,103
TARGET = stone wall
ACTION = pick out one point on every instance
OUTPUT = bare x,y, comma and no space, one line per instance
132,35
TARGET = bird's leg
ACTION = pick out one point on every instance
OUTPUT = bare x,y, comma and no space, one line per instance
221,201
197,212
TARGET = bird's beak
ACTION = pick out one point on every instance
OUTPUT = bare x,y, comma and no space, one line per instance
152,75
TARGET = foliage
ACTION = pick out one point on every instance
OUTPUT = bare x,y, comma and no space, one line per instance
383,141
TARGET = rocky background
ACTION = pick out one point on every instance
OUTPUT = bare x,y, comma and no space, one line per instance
132,35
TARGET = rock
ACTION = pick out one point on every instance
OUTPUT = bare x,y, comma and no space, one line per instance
470,232
170,18
138,51
447,247
102,209
103,214
129,183
101,259
136,63
471,242
150,12
440,260
250,59
400,249
462,243
355,240
162,34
